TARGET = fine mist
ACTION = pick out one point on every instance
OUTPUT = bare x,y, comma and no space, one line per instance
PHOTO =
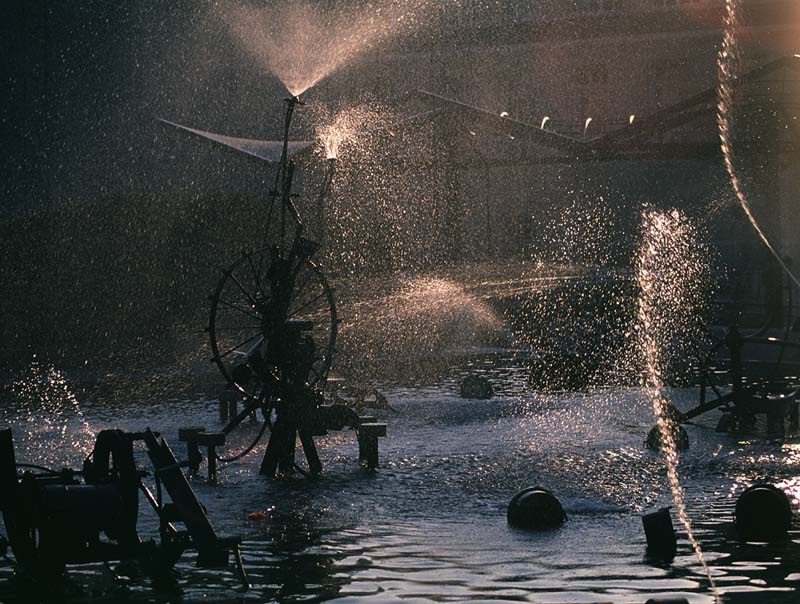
301,43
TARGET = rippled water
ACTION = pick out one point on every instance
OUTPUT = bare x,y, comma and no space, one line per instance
430,524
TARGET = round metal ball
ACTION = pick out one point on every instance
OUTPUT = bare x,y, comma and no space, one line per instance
535,509
476,386
763,513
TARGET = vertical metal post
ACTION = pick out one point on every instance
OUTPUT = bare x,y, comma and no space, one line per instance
8,472
741,402
703,377
734,343
291,103
212,463
321,209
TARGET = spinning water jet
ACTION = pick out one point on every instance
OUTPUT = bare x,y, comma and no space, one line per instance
662,542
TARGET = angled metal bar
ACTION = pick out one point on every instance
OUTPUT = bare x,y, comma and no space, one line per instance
707,98
512,127
650,152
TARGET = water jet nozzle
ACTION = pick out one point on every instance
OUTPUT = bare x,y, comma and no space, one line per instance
662,542
294,101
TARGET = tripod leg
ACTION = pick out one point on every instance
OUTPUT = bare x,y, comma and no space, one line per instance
310,450
237,558
286,461
280,449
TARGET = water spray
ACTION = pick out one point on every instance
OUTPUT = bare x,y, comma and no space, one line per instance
323,193
728,72
667,270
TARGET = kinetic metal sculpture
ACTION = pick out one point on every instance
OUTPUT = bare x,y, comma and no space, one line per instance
273,324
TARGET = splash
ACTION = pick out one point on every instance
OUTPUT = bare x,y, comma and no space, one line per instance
414,325
670,268
728,63
345,126
301,42
51,430
574,320
389,204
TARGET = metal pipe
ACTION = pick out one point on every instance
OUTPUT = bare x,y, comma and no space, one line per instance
326,186
285,182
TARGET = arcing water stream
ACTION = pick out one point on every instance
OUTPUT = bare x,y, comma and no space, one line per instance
728,62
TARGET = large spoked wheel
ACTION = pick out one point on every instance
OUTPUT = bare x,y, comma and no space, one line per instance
242,318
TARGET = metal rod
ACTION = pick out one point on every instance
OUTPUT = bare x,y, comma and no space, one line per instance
285,183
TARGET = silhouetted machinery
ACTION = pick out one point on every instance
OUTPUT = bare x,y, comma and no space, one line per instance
56,518
273,327
750,375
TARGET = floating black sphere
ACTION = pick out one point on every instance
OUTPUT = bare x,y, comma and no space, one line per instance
476,386
535,509
763,513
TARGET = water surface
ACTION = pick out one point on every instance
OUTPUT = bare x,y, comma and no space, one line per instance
430,524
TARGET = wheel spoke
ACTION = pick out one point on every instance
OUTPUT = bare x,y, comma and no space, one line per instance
305,305
239,345
247,294
244,311
256,276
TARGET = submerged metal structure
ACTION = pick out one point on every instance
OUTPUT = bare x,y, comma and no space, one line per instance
760,373
56,518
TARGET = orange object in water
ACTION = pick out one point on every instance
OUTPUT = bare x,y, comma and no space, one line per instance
257,516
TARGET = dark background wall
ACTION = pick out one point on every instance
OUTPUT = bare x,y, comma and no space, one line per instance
82,84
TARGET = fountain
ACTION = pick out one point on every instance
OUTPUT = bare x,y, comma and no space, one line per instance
302,44
669,268
545,369
273,327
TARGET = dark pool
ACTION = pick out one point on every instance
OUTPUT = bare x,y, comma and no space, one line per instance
430,524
